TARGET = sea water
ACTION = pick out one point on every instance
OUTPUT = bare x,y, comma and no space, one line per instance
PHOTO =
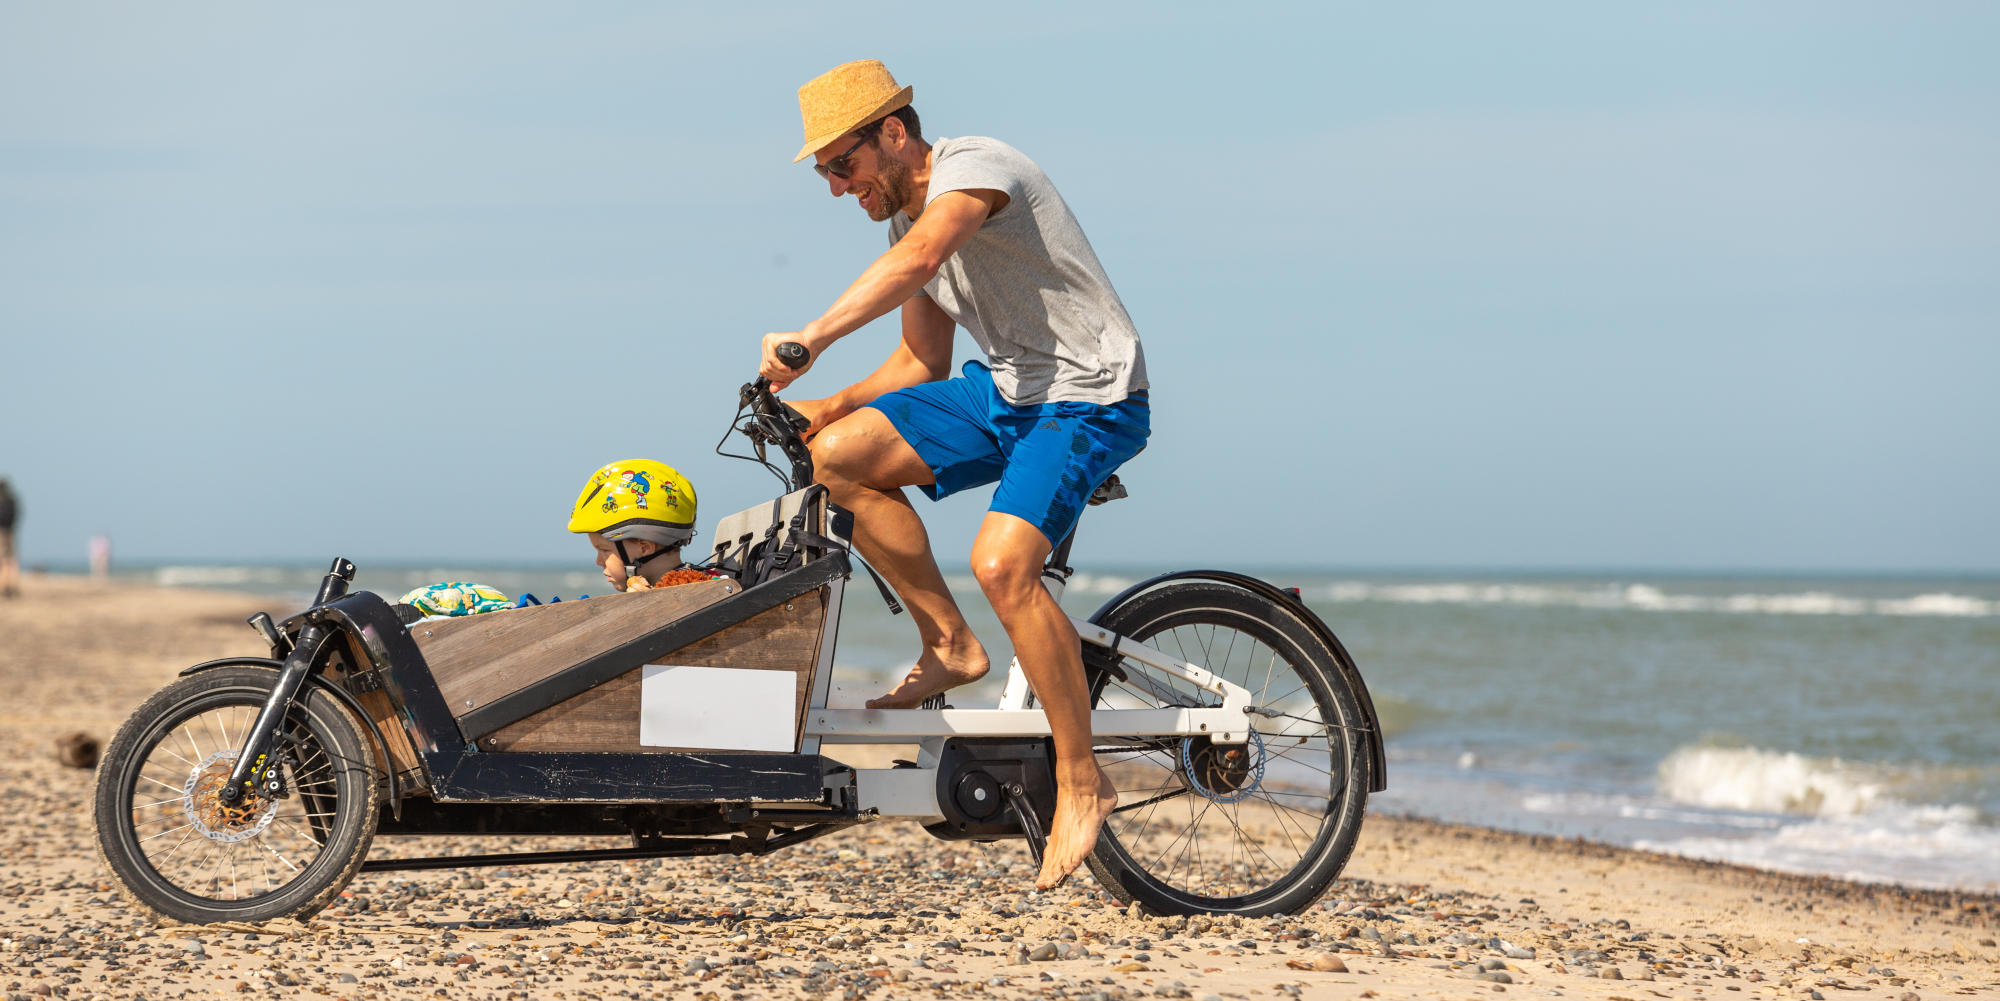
1847,726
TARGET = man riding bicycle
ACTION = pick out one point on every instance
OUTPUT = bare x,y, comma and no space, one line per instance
979,238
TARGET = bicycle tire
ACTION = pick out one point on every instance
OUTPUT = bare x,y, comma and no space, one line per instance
1301,835
283,857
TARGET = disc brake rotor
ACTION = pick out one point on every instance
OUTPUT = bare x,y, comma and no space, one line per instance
214,819
1225,773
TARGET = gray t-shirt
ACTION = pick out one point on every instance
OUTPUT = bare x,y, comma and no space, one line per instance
1027,285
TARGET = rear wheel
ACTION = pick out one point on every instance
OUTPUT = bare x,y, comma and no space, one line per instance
1257,828
185,854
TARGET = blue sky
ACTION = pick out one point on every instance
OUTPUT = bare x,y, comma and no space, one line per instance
1421,285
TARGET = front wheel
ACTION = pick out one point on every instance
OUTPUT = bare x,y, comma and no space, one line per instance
184,854
1256,828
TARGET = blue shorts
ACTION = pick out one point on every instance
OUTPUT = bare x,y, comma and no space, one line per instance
1047,457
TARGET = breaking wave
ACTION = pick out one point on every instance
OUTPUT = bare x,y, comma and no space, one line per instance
1647,598
1928,847
1754,780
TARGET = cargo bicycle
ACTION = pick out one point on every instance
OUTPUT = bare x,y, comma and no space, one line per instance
701,720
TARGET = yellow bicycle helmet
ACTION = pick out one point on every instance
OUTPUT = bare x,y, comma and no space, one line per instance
636,499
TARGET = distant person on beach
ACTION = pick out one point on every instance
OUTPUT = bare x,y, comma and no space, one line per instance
100,556
638,514
979,238
10,562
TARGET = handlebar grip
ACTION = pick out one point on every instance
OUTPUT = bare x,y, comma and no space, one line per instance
793,354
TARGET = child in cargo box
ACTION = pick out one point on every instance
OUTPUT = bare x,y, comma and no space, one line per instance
638,514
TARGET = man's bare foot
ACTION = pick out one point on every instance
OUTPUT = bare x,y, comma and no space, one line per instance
937,670
1073,833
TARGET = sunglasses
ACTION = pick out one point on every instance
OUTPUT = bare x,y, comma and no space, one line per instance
839,165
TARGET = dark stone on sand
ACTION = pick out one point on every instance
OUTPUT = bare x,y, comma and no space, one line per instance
77,749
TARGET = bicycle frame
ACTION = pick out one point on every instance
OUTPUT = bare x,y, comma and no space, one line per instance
911,792
1223,724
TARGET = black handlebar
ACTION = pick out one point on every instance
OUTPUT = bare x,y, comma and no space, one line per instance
771,422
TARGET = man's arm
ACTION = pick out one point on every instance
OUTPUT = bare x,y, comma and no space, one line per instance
924,355
949,221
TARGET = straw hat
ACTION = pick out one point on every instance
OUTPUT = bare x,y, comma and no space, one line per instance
846,97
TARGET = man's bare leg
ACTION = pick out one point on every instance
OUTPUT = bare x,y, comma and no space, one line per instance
1007,558
864,465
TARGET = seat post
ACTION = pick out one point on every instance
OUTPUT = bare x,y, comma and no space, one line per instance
1058,562
1056,572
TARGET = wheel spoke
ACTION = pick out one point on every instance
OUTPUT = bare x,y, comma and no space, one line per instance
1143,822
305,836
1279,816
214,870
1150,800
177,789
1290,754
1269,669
276,854
166,832
1245,839
1194,822
1316,817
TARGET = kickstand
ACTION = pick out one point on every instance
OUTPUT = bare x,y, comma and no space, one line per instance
1017,800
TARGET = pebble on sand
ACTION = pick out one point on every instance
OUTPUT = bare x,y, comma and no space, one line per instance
77,749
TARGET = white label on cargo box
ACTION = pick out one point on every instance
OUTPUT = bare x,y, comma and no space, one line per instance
728,709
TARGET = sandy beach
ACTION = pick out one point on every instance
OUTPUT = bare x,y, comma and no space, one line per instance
1424,909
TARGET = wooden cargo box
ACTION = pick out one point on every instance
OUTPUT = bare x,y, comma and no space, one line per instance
480,658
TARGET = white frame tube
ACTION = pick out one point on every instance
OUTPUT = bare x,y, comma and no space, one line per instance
1226,724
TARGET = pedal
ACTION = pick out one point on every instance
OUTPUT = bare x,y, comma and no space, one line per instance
934,702
1017,801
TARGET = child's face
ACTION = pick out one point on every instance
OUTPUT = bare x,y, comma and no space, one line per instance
608,561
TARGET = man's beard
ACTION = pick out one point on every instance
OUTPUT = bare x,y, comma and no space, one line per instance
894,188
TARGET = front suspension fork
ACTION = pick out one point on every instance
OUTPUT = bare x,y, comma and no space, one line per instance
257,762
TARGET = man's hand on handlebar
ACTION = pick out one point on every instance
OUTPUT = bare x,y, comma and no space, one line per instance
776,370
